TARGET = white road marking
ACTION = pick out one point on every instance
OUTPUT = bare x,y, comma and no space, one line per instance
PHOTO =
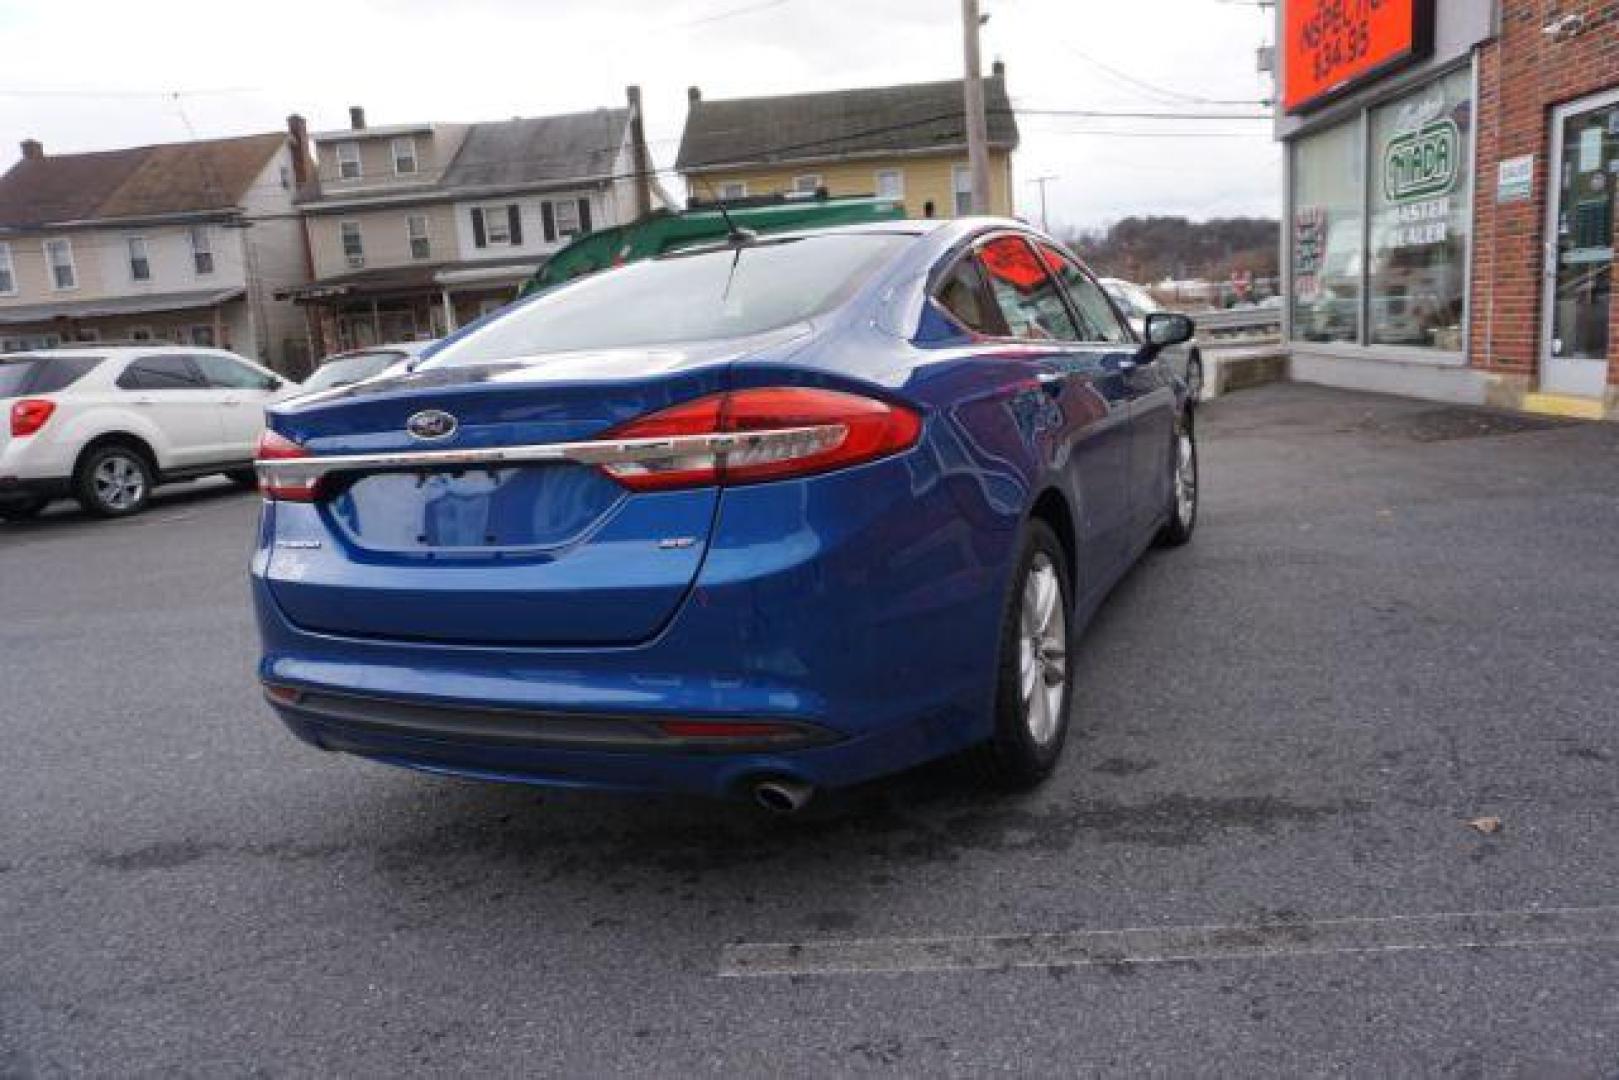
1156,945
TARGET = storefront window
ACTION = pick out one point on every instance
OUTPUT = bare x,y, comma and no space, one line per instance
1421,214
1327,234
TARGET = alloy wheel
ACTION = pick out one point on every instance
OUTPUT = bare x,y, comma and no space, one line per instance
120,482
1043,654
1185,477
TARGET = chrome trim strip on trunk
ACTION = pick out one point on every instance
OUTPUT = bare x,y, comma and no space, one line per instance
596,452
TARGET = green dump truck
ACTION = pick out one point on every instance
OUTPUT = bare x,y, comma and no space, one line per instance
701,223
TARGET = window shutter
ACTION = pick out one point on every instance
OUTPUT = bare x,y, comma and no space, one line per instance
516,221
584,215
478,238
548,220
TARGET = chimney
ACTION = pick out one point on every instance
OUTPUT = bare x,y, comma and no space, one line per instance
997,70
298,133
357,117
694,94
33,149
638,150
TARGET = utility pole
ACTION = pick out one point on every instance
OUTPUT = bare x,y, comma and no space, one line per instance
1043,181
977,126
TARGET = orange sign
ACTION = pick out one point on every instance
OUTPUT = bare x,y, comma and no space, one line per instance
1330,45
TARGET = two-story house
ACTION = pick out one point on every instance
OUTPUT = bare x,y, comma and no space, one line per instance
416,229
907,143
185,242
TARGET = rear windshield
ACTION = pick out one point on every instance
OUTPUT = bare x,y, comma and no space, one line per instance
699,296
21,375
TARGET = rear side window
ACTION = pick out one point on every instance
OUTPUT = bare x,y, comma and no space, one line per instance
965,294
224,373
162,373
20,375
1029,299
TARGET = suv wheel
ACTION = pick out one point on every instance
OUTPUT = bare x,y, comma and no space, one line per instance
113,481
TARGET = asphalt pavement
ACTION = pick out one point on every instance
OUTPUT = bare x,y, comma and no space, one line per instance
1396,618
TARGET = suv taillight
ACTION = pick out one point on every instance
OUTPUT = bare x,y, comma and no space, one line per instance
276,447
29,415
832,430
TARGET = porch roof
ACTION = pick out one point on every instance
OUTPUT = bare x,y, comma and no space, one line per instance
407,280
116,305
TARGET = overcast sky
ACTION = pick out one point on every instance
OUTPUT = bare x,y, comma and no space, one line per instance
92,74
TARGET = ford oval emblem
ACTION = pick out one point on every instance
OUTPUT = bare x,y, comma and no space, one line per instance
431,424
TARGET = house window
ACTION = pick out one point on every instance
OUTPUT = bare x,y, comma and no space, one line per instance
890,184
8,276
564,219
404,156
202,250
348,160
140,333
353,245
87,334
497,225
567,218
59,256
807,184
416,230
140,266
961,183
732,189
203,335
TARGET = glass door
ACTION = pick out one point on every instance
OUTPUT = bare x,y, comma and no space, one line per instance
1579,248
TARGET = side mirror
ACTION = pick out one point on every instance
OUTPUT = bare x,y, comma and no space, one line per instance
1166,328
273,384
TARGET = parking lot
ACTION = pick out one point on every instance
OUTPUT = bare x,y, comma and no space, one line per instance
1396,618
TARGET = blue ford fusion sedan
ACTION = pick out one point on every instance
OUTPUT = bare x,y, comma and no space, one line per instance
753,520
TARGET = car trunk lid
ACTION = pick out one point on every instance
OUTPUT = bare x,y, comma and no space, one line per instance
530,552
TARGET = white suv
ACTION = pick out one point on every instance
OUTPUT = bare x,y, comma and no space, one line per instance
106,425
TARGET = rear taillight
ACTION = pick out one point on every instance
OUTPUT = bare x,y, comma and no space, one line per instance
810,431
277,447
29,415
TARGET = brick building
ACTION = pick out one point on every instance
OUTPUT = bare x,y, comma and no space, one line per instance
1451,170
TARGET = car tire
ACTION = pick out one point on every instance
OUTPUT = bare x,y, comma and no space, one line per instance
1183,486
23,509
1031,721
114,480
1194,378
244,478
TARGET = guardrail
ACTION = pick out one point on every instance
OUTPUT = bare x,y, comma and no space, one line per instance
1248,324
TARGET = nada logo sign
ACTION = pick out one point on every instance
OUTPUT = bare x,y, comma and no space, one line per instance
1421,163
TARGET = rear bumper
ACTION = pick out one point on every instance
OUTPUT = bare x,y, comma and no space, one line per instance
21,489
860,607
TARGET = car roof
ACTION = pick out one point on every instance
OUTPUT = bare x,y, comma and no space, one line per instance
121,351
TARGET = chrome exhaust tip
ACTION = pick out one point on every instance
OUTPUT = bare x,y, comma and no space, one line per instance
783,796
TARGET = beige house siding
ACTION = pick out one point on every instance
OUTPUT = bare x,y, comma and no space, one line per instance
924,179
101,263
384,236
434,150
